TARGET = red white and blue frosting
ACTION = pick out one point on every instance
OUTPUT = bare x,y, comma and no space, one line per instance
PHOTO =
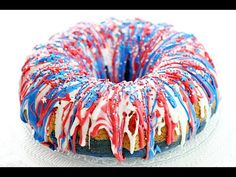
130,76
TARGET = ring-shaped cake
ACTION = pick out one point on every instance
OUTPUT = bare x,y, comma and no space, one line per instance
124,88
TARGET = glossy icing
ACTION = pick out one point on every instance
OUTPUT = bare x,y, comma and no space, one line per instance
131,76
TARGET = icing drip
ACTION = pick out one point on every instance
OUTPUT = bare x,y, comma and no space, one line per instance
128,77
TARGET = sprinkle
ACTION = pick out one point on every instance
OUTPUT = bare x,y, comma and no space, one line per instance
109,75
44,100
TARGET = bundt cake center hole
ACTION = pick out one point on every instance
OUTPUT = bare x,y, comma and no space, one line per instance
127,75
123,71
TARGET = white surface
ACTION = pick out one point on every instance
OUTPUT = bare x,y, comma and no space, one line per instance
21,30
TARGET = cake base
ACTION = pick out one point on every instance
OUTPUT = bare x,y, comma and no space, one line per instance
44,156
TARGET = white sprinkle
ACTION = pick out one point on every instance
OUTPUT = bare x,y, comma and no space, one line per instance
44,100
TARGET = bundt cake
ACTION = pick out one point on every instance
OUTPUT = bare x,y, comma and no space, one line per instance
126,88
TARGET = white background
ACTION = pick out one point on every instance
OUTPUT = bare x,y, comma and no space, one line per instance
20,31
